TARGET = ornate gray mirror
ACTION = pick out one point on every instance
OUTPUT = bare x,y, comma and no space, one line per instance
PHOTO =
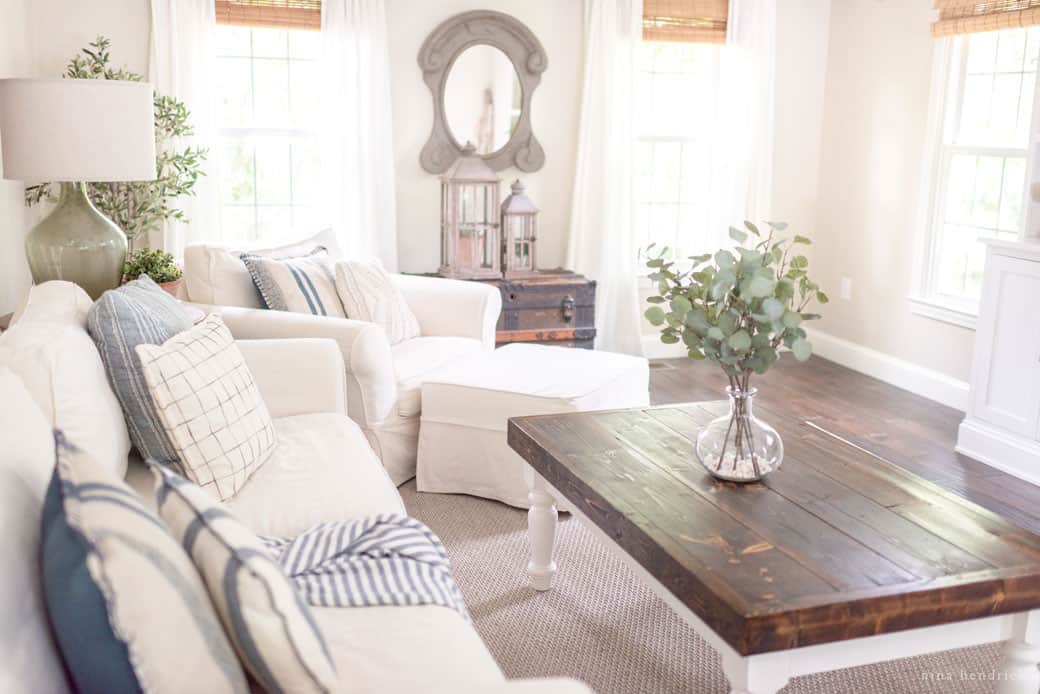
482,68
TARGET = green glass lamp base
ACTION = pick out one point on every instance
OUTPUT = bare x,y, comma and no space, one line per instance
78,244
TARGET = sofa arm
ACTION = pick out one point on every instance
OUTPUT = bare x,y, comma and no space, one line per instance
297,376
371,381
452,307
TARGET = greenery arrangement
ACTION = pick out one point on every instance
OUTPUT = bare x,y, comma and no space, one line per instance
157,264
138,207
737,307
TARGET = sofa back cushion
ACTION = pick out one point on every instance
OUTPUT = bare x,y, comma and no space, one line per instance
129,610
58,364
215,274
31,659
137,313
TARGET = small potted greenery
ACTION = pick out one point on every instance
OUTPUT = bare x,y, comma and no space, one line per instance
157,264
737,308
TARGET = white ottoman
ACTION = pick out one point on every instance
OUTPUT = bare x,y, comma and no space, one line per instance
462,434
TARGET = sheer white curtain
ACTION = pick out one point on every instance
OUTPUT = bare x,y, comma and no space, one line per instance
181,65
602,242
356,140
742,159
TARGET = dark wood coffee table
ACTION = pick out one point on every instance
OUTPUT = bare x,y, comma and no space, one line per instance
838,559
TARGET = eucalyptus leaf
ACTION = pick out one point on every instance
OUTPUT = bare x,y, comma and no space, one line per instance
655,314
773,308
740,341
792,319
801,348
737,235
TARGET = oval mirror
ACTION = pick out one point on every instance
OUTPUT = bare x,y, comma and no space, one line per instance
482,98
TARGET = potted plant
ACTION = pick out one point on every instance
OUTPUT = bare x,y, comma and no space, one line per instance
138,207
157,264
737,308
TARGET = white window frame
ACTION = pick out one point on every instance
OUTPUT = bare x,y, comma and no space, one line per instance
951,53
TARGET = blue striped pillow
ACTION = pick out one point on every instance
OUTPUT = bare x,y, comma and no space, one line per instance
129,610
138,313
301,285
270,626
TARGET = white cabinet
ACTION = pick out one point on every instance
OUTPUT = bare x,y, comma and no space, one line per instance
1002,426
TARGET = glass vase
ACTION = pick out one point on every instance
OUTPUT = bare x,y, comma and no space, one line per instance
738,446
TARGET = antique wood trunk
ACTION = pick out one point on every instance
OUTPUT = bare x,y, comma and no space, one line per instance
556,307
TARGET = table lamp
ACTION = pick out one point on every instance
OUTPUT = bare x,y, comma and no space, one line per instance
73,131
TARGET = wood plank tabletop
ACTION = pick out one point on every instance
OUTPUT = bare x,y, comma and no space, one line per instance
837,544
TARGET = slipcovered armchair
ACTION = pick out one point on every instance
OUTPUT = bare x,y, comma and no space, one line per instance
384,382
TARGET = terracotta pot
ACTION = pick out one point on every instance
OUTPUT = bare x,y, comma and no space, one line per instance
172,287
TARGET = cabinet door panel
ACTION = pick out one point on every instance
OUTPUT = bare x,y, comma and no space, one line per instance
1007,361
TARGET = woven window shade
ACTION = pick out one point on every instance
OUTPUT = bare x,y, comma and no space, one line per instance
277,14
687,21
974,16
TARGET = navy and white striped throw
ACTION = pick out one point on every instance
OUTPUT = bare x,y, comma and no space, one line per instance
382,560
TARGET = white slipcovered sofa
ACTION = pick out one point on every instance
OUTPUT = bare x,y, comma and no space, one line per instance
384,381
323,470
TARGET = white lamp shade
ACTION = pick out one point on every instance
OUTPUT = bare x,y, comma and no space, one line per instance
77,130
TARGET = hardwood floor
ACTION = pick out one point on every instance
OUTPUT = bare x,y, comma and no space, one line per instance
906,429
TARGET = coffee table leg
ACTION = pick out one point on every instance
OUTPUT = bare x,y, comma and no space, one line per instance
765,674
1021,655
541,532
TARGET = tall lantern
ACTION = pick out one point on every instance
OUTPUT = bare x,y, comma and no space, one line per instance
470,245
519,233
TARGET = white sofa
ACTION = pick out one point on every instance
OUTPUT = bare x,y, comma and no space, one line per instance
384,381
323,470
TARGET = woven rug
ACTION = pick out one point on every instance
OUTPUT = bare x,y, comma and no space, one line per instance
599,624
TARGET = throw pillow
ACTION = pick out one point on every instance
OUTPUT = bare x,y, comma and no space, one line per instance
137,313
271,627
130,612
368,294
210,406
300,285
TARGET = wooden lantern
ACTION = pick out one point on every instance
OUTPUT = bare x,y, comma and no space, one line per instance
470,234
519,233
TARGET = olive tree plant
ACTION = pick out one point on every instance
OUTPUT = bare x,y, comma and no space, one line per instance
138,207
738,307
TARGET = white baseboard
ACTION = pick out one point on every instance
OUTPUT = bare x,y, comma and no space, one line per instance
1015,455
923,381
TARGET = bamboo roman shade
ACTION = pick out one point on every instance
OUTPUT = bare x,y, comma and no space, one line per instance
697,21
974,16
278,14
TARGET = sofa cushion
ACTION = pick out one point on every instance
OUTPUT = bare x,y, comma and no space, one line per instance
368,294
31,659
58,364
215,274
419,359
271,627
406,649
210,406
301,285
138,313
128,608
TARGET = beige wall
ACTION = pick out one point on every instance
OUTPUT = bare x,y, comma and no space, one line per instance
15,61
874,120
558,25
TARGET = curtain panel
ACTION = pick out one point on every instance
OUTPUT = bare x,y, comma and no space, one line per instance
973,16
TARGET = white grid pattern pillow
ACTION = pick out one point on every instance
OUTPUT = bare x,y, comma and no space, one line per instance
210,406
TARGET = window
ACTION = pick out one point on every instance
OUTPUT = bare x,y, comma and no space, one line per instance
676,90
978,172
267,158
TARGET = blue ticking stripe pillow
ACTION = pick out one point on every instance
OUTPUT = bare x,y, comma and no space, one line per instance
137,313
301,285
270,625
129,610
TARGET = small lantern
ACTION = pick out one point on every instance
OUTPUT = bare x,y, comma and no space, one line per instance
470,245
519,233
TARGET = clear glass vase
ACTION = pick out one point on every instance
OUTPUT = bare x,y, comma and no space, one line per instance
738,446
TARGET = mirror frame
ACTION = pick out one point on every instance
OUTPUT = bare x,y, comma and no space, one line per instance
437,56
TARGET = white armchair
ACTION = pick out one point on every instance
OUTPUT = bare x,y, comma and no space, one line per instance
384,382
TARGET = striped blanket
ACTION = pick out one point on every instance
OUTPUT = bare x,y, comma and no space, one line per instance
382,560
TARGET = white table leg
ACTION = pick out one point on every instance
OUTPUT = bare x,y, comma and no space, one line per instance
765,674
1021,656
541,532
